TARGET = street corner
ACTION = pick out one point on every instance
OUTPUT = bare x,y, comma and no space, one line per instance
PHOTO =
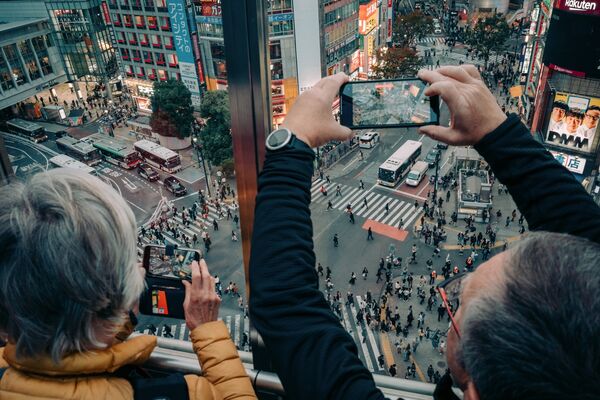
385,230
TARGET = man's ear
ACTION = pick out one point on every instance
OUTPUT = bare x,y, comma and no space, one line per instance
471,392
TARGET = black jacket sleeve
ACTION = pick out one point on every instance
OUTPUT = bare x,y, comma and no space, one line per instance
546,193
313,355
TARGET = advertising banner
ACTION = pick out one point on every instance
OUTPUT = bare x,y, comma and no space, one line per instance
584,7
573,122
572,163
368,17
183,44
390,16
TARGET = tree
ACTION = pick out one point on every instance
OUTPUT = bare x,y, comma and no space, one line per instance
397,63
489,33
410,28
172,109
216,134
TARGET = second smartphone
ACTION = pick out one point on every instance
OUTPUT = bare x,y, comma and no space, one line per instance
166,267
387,103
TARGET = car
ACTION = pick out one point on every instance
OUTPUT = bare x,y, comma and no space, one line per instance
146,172
432,157
441,145
174,186
368,140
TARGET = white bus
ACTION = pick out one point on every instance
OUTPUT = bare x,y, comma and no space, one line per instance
158,156
115,151
64,161
79,150
26,129
399,163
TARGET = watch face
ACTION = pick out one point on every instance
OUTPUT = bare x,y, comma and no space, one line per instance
278,138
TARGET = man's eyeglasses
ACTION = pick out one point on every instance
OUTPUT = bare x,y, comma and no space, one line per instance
450,290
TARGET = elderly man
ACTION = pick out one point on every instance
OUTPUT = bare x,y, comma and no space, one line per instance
546,350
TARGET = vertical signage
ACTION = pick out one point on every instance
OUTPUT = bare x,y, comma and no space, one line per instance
183,44
106,13
390,17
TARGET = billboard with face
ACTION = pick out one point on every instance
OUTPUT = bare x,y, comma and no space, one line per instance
573,122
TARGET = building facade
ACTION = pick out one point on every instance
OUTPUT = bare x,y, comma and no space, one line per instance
29,60
153,41
83,40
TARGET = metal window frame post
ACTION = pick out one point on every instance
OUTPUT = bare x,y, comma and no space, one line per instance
245,33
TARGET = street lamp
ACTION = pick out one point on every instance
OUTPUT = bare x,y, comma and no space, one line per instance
198,148
435,183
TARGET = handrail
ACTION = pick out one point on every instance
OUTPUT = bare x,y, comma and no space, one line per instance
178,355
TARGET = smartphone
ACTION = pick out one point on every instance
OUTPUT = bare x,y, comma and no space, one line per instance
166,267
389,103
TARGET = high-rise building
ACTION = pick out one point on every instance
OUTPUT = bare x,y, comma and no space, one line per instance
153,39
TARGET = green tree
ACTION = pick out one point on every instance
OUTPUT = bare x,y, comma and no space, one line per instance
216,133
410,28
489,33
396,62
172,109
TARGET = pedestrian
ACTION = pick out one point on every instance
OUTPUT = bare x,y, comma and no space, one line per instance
234,237
338,191
369,234
328,273
387,208
336,240
352,280
215,225
507,221
381,361
351,216
323,190
401,223
361,184
513,215
392,370
365,203
329,205
365,273
430,372
327,179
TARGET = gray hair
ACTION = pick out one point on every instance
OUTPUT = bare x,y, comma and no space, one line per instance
68,271
538,337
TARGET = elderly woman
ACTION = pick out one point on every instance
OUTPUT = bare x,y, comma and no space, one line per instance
68,283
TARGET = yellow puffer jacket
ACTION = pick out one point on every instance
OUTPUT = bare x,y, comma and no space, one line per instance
88,375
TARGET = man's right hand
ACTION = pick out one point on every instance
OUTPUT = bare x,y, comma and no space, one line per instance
201,302
474,111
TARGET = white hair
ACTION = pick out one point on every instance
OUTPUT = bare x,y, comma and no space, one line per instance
68,271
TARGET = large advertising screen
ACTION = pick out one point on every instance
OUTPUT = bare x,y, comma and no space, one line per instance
573,122
572,43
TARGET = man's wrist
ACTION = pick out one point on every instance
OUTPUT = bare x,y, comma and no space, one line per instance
298,132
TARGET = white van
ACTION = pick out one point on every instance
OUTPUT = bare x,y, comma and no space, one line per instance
417,173
368,140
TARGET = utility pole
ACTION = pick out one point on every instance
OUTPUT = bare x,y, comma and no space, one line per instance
200,155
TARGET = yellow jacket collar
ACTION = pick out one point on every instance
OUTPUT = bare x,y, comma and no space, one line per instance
133,351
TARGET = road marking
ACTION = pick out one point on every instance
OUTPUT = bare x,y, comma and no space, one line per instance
136,206
236,338
185,197
385,230
386,348
400,214
363,340
364,169
350,163
372,197
374,208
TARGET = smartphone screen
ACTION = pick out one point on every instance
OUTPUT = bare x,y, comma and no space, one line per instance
170,261
387,104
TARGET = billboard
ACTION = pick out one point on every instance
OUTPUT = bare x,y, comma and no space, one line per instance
572,44
183,44
570,162
573,122
584,7
368,17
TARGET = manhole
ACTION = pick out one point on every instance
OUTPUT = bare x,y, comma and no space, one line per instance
441,364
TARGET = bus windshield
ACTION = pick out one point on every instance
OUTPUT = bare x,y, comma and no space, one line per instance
386,175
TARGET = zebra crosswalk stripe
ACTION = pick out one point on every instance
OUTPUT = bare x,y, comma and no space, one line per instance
182,329
374,346
393,210
362,339
349,194
382,210
411,218
355,194
408,207
236,337
360,207
374,208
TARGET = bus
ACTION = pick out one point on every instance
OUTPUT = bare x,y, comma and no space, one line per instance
79,150
115,151
399,163
64,161
158,156
28,130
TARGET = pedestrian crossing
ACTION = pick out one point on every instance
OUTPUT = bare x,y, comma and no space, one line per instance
368,348
195,227
375,203
435,40
237,325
